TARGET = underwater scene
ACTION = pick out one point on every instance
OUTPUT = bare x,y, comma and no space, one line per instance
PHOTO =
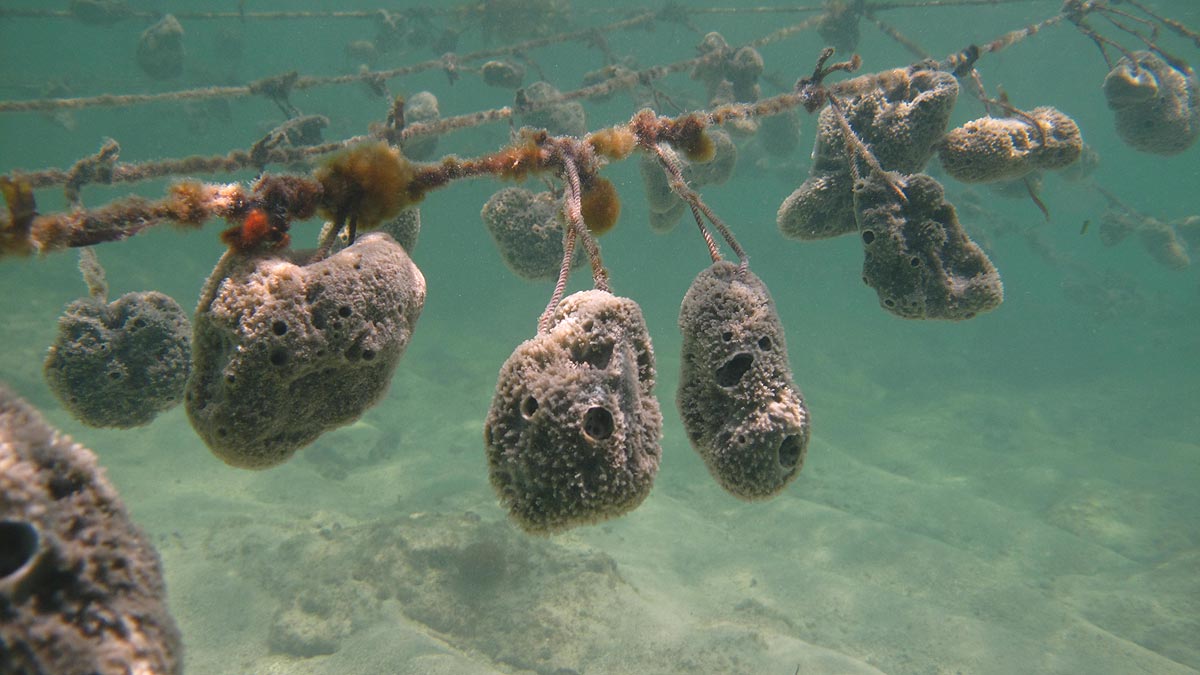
583,338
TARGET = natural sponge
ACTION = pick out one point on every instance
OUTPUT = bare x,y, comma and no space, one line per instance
160,50
900,115
1157,107
528,232
544,109
286,349
917,256
666,208
741,411
81,588
420,108
1006,148
121,363
573,431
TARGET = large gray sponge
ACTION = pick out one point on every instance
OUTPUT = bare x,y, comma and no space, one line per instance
286,349
1157,107
120,364
81,588
917,256
741,411
573,431
527,229
1007,148
899,114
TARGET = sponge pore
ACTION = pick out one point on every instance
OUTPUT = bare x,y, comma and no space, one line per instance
573,431
740,408
120,364
286,350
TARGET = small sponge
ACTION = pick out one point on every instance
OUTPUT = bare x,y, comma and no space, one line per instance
900,115
1160,241
573,431
917,256
81,587
160,49
286,349
527,229
1006,148
1157,107
122,363
561,118
420,108
666,208
741,411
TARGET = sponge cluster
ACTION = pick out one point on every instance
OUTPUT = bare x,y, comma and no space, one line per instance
573,431
286,349
81,588
899,114
740,408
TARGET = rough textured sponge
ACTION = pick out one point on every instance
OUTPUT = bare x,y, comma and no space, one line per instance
573,431
120,364
917,256
81,588
1157,107
559,118
1005,148
528,232
285,350
900,115
740,409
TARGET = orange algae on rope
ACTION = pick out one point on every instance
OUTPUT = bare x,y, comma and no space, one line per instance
367,184
600,206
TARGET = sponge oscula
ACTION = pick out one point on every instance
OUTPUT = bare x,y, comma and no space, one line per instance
573,431
287,349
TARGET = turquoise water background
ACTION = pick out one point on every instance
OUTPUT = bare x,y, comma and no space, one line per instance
1016,493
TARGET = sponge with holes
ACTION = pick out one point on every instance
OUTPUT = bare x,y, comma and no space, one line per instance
81,587
740,408
899,114
573,431
916,254
286,349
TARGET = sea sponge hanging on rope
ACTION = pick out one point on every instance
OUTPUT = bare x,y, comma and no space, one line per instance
286,348
573,431
740,408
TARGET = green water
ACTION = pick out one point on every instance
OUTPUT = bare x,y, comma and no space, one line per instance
1016,493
